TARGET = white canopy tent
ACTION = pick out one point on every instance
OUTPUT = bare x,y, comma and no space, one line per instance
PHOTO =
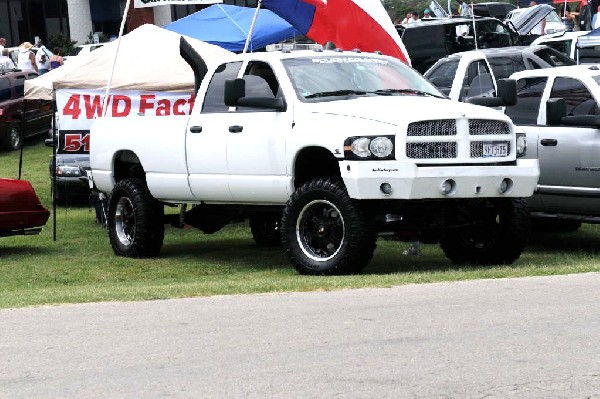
148,60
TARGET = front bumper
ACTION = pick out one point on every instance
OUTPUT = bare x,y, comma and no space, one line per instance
363,179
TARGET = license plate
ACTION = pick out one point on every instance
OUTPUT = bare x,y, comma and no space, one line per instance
495,150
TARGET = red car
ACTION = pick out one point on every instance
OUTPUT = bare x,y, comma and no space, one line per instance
21,212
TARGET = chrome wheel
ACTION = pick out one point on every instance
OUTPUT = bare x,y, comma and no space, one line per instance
125,221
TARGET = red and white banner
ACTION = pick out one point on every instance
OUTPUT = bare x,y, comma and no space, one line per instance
154,3
77,109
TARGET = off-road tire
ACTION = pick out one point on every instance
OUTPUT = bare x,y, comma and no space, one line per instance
135,220
324,231
13,139
497,239
266,230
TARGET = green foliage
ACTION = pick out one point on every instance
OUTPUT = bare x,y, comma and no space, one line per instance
63,42
81,267
101,37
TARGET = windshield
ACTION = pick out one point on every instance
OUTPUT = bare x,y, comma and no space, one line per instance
325,78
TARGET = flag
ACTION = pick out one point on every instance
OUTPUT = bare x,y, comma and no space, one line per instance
154,3
350,24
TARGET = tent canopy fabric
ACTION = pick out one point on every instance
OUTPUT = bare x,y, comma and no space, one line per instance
227,26
148,60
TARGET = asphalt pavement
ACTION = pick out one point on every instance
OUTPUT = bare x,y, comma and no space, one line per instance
508,338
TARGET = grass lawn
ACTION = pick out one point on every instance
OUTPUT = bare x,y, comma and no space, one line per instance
81,267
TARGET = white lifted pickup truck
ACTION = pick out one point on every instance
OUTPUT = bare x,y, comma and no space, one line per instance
321,151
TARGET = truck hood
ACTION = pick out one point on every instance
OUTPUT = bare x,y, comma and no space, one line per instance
529,18
391,109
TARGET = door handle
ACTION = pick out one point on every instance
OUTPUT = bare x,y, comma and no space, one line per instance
236,129
196,129
549,142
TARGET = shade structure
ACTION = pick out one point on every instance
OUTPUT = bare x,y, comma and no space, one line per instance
148,60
227,26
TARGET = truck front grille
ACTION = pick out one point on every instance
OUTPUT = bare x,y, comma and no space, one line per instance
484,126
439,150
443,127
459,139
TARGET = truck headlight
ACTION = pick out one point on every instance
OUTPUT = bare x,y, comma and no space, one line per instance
363,147
521,145
65,170
381,147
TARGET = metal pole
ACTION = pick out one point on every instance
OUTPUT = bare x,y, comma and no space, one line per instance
112,71
54,149
252,26
24,110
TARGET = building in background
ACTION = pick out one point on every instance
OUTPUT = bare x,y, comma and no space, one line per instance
26,20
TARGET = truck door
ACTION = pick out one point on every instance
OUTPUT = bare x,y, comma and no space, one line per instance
569,156
525,115
256,158
206,140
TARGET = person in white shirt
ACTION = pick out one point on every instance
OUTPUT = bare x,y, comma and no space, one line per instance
42,59
2,45
464,10
26,59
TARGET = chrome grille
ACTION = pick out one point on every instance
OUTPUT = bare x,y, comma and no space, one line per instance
477,148
484,126
438,150
444,127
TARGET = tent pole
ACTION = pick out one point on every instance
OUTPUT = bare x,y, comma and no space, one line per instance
252,26
22,133
54,149
112,71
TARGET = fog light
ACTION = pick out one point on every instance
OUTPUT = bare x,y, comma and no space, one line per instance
386,188
505,186
448,187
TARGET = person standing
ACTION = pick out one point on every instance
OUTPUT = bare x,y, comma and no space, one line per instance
426,14
2,45
26,59
539,29
464,10
42,59
56,60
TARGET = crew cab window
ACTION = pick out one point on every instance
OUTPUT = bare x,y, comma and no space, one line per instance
564,46
478,81
578,99
442,75
260,82
4,89
214,101
503,67
529,96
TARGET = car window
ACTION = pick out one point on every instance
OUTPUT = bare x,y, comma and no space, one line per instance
503,67
19,86
214,101
478,81
260,82
532,64
442,75
563,46
553,57
529,96
578,99
4,89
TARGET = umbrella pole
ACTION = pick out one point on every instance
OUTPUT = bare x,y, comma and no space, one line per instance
252,26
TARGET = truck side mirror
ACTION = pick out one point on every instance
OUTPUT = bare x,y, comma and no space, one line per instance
234,90
556,110
507,91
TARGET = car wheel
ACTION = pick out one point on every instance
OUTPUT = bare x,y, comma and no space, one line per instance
266,230
498,236
135,220
325,232
12,140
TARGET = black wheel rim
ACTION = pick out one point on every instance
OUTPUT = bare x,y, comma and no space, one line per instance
125,221
320,230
